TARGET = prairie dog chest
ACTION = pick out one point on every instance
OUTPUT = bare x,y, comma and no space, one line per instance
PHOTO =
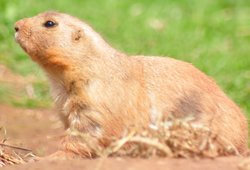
58,93
94,91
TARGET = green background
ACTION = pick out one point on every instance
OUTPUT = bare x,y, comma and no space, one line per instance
214,35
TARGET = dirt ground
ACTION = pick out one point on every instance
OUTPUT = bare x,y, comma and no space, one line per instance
39,130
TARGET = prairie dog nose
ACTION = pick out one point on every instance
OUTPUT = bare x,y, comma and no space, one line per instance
18,25
16,28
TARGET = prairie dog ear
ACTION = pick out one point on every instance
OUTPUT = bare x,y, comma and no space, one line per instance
77,35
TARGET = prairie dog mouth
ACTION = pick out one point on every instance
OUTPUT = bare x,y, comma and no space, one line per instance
16,37
20,41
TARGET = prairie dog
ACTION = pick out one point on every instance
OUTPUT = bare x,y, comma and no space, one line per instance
102,91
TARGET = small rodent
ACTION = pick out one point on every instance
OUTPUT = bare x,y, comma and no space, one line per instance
102,91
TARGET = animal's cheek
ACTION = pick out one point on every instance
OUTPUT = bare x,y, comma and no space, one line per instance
39,42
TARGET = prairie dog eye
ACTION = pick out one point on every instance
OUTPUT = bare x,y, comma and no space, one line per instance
49,24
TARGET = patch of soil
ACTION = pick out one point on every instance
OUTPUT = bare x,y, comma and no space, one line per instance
229,163
40,130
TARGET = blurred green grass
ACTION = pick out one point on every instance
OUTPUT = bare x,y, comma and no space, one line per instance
212,34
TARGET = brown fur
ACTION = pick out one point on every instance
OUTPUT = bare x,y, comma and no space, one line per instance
103,92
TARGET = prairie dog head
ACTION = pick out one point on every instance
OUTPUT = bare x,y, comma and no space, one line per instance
52,34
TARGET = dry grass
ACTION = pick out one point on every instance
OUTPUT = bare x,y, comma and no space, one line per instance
10,155
9,158
174,138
